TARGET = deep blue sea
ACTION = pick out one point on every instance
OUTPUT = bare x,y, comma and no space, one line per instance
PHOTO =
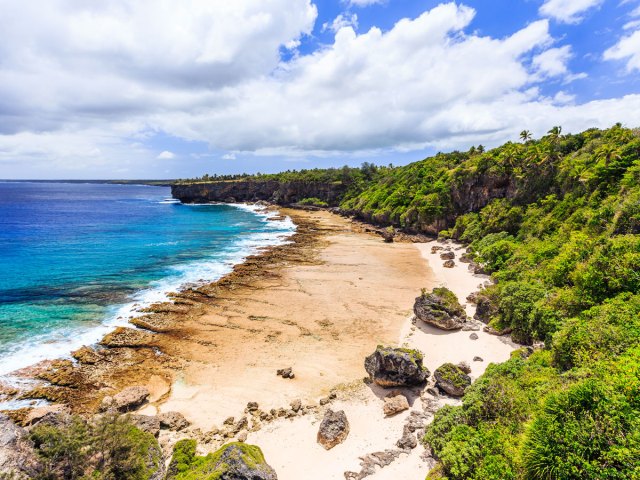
77,259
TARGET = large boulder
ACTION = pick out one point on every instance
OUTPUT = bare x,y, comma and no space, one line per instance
452,379
234,461
396,367
129,399
441,309
173,421
17,456
333,429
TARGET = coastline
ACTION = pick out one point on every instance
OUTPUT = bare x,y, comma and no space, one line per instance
319,304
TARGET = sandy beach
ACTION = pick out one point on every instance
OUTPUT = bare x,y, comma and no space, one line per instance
319,305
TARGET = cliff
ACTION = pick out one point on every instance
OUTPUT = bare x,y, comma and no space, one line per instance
281,193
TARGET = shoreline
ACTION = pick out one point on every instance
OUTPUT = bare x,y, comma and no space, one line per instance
214,348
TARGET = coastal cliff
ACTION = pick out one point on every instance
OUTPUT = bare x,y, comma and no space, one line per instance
274,191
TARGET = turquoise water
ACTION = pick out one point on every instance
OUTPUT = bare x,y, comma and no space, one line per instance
78,259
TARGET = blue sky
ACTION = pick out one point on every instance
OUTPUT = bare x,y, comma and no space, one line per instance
145,90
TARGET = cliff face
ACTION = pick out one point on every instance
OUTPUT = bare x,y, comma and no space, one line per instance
281,193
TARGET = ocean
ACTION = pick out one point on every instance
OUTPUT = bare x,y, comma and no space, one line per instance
77,260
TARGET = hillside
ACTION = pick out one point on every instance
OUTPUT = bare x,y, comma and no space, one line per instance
556,222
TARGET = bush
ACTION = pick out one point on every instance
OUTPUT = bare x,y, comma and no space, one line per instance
107,448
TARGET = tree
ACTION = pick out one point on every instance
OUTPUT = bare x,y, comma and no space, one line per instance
525,135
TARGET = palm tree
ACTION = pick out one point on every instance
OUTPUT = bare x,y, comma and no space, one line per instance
555,131
525,135
607,153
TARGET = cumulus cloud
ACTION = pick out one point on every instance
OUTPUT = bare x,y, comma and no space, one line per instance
627,49
229,156
568,11
364,3
166,155
87,86
341,21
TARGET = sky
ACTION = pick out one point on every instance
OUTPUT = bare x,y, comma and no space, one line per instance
144,89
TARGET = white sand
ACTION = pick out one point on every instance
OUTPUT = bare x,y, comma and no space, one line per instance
290,445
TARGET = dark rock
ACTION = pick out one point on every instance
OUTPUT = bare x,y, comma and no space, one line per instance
449,264
452,379
146,423
478,359
466,258
18,459
435,249
173,421
285,373
485,308
464,366
408,440
234,461
388,235
333,429
251,407
296,405
477,269
474,336
441,309
491,330
447,256
396,367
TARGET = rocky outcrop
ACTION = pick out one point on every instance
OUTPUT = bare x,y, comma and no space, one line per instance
395,403
127,400
452,379
441,309
286,373
396,367
17,456
334,429
253,190
234,461
173,421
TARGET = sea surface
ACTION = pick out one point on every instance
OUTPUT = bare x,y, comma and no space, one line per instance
76,260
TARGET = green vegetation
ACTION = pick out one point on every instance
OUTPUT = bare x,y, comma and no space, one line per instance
556,221
315,202
186,465
107,448
453,374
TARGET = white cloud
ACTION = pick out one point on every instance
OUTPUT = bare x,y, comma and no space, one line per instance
568,11
341,21
78,87
166,155
229,156
627,49
364,3
553,62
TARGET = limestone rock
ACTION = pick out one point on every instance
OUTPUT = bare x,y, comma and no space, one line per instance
127,400
296,405
173,421
394,404
333,429
452,379
17,457
286,373
146,423
447,256
47,414
441,309
396,367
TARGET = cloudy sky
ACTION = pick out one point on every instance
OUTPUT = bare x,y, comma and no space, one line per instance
178,88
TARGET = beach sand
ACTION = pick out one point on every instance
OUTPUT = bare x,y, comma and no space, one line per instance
321,318
290,444
320,305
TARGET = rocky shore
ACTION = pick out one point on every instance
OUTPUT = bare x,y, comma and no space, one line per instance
273,355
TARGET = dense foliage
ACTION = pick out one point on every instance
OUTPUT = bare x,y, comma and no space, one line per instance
106,448
556,221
